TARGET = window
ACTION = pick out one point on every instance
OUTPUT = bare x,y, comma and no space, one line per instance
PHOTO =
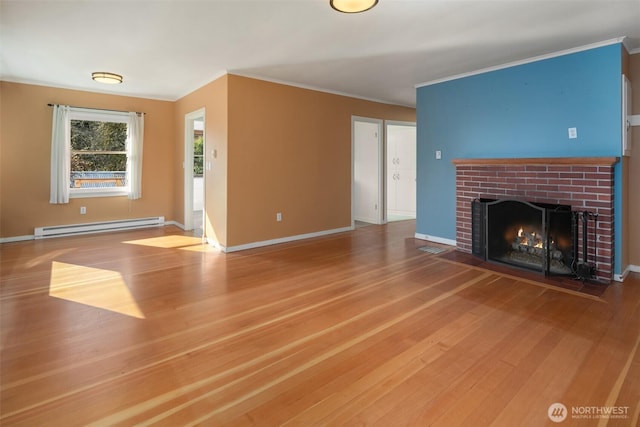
98,151
95,153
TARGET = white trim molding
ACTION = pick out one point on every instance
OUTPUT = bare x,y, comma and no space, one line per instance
625,273
253,245
17,238
176,223
524,61
187,164
435,239
314,88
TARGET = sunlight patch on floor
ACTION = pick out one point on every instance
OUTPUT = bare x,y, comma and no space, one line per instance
95,287
46,257
204,247
168,242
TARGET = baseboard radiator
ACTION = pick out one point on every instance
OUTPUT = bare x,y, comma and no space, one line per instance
97,227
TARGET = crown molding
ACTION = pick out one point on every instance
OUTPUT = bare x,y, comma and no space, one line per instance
315,88
619,40
83,89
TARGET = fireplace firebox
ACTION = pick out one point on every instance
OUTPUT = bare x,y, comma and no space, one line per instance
533,236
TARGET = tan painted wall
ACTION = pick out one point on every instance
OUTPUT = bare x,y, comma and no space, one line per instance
213,98
290,152
277,148
634,167
25,146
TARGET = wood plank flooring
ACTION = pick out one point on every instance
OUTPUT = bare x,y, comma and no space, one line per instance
151,327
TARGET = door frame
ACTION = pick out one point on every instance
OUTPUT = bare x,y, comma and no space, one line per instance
187,165
381,176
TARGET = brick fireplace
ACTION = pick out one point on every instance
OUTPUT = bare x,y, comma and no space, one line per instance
585,184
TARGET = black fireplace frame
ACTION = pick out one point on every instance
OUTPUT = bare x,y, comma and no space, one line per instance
480,232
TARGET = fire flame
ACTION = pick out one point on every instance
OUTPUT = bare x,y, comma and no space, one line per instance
529,239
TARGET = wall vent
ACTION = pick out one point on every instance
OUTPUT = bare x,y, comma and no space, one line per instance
97,227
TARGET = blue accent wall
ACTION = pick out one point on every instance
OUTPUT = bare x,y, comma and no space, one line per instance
521,111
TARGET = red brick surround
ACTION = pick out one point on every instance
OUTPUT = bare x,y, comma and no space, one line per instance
586,184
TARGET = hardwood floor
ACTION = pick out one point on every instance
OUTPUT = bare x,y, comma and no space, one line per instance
151,327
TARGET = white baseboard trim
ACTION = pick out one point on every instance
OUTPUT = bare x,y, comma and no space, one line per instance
215,244
620,277
368,220
16,238
32,236
625,273
176,223
435,239
280,240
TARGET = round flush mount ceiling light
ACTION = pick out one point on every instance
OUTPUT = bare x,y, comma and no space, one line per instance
352,6
108,78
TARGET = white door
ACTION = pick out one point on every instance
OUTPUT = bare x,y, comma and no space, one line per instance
367,170
401,170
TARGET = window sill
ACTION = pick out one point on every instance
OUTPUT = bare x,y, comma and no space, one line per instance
93,193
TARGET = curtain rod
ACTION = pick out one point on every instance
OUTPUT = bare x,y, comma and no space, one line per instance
98,109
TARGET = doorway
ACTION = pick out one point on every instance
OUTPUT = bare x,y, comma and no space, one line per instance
367,171
194,172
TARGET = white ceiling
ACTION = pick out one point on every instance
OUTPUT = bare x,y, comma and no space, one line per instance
166,49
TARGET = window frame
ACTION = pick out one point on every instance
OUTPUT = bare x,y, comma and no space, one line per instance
100,116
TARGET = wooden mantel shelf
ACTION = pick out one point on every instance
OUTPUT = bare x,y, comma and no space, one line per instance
601,161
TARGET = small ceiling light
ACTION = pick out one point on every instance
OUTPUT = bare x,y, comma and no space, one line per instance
352,6
108,78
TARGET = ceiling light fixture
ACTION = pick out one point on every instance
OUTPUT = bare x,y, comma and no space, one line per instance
352,6
108,78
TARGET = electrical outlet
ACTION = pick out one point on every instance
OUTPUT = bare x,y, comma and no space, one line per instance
279,216
438,155
573,133
83,210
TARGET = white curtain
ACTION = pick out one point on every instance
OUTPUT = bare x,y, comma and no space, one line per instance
135,139
60,155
